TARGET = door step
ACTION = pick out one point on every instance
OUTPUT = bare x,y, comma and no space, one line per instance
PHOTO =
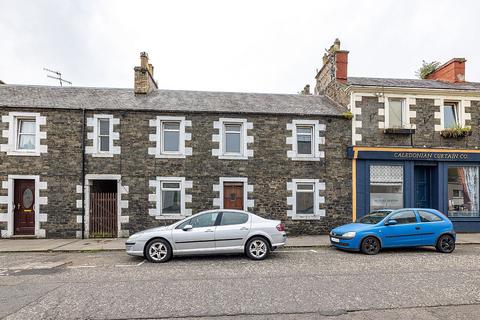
23,237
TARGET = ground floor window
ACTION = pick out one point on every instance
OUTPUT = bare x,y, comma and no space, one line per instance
171,197
463,191
386,187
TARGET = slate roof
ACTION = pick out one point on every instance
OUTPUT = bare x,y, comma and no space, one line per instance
166,100
412,83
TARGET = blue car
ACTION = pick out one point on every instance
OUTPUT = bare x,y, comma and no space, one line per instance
396,228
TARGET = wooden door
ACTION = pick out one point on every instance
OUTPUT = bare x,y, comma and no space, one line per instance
233,196
24,207
103,215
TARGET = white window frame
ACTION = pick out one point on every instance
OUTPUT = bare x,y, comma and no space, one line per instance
157,138
317,199
156,197
182,194
181,142
459,110
242,133
244,140
405,113
312,141
317,140
12,134
99,135
96,135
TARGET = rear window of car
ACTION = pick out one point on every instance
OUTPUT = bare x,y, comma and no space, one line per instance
426,216
229,218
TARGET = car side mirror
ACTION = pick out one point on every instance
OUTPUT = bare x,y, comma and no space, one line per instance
187,227
391,222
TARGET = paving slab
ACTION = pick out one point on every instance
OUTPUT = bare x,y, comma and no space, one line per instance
32,245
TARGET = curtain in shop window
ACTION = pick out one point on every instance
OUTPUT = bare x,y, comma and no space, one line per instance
471,186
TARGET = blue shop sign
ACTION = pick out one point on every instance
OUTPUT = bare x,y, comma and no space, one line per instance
414,155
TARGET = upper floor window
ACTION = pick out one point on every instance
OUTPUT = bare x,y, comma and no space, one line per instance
170,137
305,140
104,135
232,139
451,115
397,113
233,136
24,134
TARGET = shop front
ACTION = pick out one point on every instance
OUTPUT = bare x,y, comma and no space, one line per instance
394,178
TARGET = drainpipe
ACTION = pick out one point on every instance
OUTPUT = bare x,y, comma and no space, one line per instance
83,173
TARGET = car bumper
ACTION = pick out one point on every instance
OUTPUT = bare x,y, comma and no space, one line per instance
279,240
134,248
347,244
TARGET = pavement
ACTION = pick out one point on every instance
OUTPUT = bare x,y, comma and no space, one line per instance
293,283
44,245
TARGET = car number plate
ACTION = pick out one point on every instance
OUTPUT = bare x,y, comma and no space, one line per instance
335,239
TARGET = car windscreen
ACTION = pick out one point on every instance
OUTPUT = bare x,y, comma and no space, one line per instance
374,217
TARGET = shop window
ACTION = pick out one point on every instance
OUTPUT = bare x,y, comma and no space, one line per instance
463,191
386,187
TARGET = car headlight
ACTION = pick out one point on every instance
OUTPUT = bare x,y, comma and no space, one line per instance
349,235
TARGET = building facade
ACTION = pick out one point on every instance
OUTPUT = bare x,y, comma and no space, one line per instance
92,162
414,142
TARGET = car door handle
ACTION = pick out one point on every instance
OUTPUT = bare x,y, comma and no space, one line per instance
243,228
417,228
209,230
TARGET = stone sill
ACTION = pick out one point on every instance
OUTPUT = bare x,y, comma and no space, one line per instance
399,131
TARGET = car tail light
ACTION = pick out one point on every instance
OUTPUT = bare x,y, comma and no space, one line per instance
281,227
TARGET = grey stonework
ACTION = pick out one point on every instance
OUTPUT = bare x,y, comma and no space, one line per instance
268,171
425,134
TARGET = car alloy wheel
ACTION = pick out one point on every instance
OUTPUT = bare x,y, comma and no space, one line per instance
370,245
257,249
158,251
446,244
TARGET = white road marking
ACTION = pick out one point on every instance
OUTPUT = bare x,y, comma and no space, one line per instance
295,251
141,263
79,267
311,250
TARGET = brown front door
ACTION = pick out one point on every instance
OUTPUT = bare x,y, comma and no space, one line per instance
24,207
233,195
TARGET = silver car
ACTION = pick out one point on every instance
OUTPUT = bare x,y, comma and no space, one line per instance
210,232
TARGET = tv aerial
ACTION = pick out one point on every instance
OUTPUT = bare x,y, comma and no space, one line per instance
57,76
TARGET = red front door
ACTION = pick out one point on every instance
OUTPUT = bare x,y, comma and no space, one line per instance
233,196
24,207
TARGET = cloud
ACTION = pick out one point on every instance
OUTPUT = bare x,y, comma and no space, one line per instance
261,46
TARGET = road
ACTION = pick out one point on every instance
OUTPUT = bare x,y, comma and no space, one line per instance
319,283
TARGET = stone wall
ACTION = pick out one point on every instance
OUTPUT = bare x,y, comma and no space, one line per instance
268,171
424,121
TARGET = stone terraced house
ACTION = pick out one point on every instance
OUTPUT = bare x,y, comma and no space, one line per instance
96,162
106,162
414,142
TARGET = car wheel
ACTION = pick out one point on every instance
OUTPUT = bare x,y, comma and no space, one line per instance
370,245
158,250
257,248
445,244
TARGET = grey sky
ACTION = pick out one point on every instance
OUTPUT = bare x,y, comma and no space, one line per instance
253,46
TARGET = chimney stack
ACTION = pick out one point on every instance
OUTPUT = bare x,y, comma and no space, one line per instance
144,82
453,71
306,90
335,67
